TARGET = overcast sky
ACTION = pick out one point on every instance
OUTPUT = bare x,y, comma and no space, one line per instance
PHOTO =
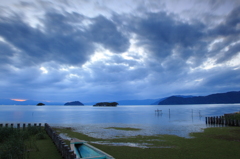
109,50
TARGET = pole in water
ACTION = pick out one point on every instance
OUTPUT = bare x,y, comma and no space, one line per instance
169,113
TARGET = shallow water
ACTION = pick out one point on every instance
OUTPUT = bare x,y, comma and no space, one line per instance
175,119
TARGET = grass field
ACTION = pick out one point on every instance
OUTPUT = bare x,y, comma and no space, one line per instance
218,142
31,143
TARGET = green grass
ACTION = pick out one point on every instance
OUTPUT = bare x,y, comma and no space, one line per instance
126,129
46,149
235,116
221,142
32,142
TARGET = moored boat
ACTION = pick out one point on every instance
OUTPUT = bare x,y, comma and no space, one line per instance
83,150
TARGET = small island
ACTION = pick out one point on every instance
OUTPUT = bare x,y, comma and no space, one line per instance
40,104
74,103
106,104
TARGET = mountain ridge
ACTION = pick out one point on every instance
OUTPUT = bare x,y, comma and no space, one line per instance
217,98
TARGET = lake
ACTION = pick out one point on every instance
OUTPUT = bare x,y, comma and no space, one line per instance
175,119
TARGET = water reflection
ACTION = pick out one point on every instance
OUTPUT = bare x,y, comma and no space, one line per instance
178,120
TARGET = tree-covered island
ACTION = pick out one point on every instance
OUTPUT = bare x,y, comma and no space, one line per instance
106,104
40,104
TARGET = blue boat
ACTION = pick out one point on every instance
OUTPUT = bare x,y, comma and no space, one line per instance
85,151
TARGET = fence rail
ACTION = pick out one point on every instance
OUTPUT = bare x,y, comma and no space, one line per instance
221,120
62,147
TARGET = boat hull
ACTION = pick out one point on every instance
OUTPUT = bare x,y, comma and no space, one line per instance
83,150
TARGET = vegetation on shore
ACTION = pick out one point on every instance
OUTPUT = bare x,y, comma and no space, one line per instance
217,142
32,142
233,116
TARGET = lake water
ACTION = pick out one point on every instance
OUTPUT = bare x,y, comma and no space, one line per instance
175,119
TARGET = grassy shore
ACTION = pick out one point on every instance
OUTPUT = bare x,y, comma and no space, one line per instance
33,142
218,142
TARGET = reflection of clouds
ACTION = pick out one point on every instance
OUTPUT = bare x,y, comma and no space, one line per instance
93,121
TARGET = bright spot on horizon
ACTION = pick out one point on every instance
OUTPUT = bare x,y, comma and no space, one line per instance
19,100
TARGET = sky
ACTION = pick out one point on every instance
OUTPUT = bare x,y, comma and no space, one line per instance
110,50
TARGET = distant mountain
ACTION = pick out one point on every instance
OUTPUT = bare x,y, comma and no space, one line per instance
218,98
159,100
73,103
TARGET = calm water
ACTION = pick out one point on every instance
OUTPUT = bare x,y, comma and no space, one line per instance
178,120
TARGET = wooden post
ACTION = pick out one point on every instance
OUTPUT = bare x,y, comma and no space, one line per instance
72,156
29,124
64,151
169,113
1,125
11,125
18,126
61,150
6,125
234,122
35,124
24,125
39,125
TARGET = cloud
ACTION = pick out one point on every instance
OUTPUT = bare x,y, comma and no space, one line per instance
161,34
55,50
105,32
60,41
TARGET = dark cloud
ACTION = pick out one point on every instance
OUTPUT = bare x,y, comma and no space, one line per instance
231,25
230,54
105,32
229,32
62,38
161,34
6,52
225,80
60,41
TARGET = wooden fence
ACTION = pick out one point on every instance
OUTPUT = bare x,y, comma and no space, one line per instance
18,125
62,147
221,120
